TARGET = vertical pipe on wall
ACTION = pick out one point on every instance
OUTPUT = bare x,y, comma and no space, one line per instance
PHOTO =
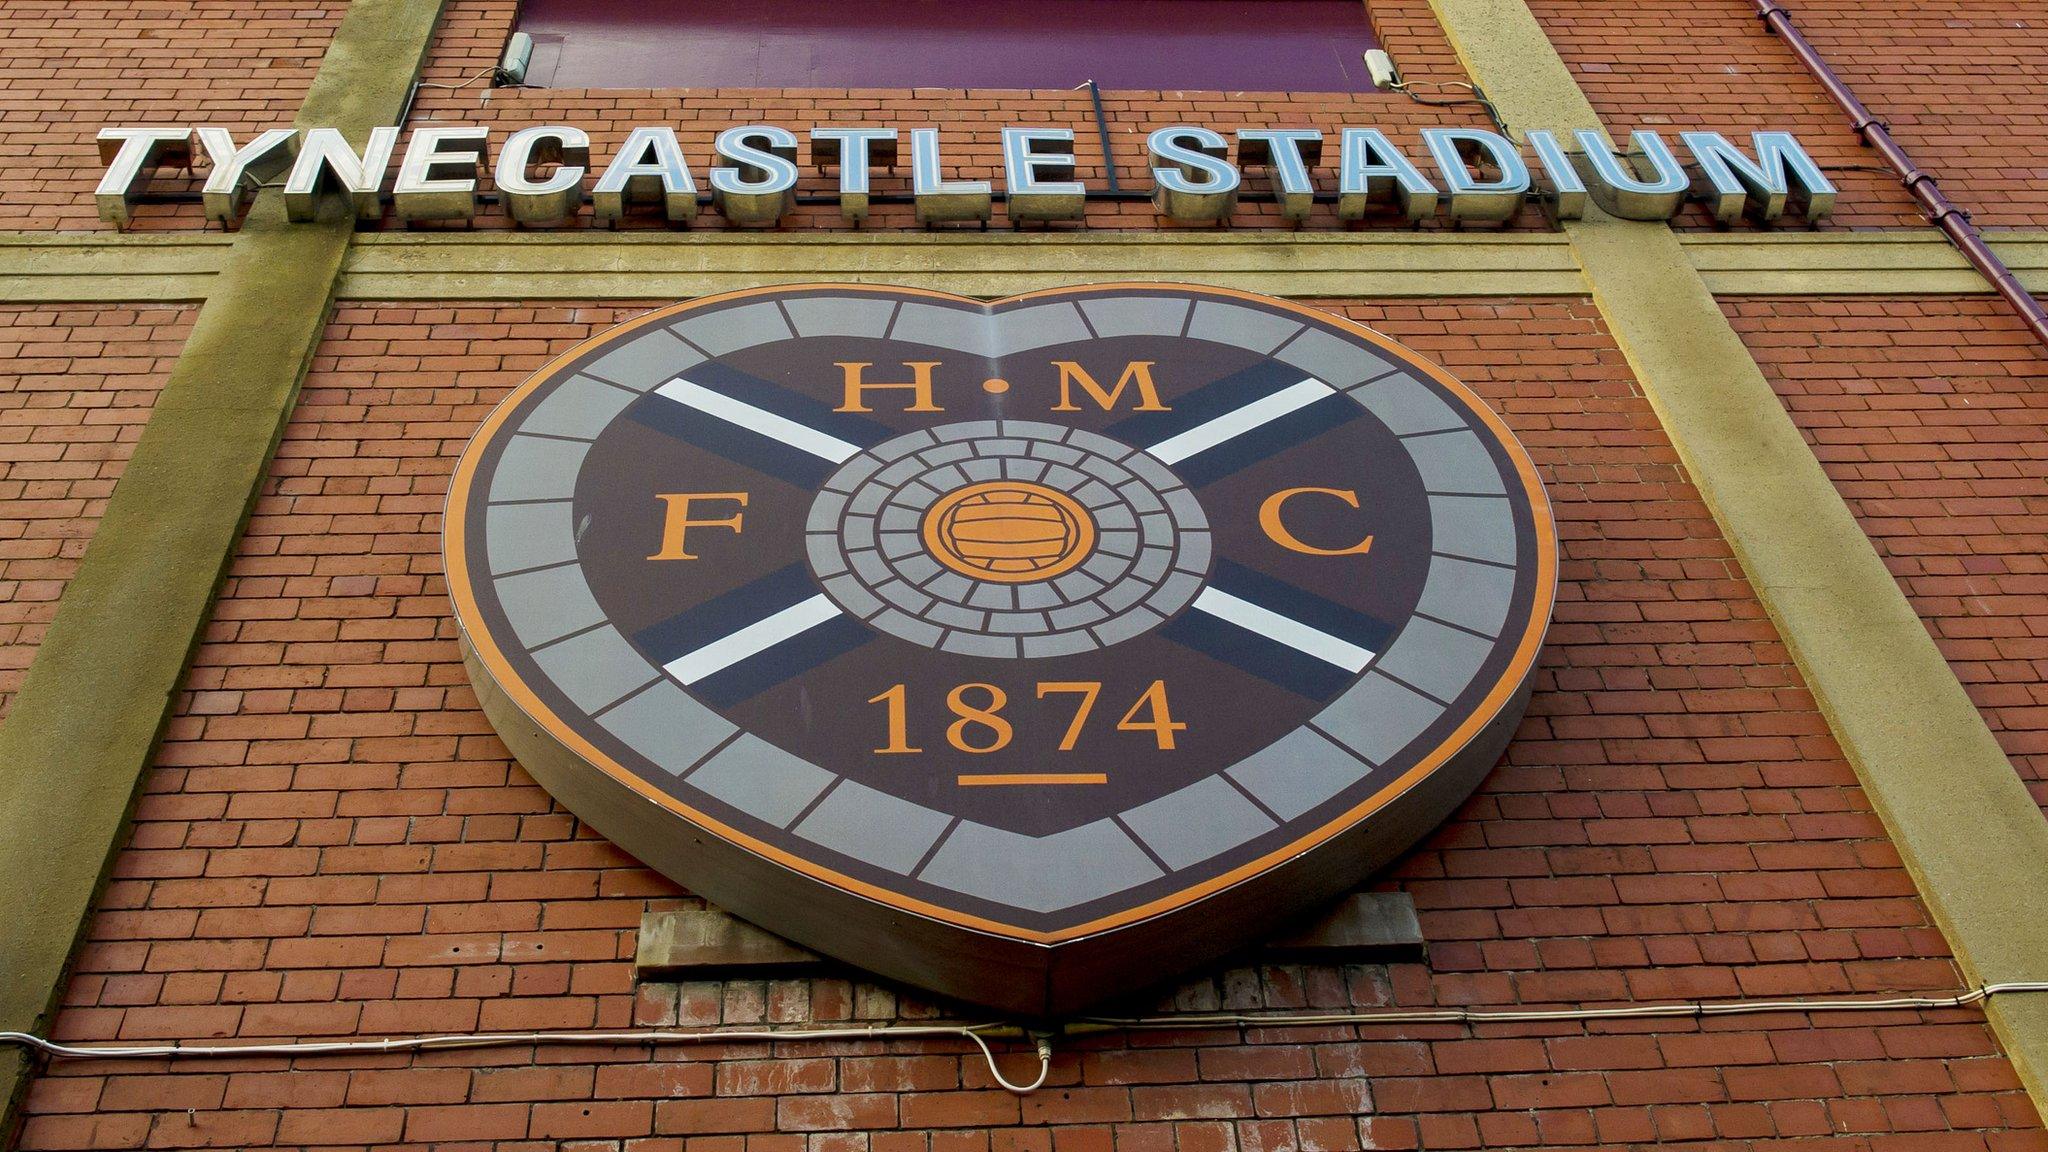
1941,211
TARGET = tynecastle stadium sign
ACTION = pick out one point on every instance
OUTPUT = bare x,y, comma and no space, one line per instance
542,175
1027,651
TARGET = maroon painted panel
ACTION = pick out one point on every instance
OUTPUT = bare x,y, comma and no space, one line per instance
1197,45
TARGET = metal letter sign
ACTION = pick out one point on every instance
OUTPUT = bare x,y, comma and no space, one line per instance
1030,652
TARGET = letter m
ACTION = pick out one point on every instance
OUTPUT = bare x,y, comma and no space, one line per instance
1137,372
1781,176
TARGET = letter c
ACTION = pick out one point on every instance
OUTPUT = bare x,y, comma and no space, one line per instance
1269,520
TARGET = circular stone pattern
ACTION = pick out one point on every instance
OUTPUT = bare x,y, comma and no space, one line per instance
1119,544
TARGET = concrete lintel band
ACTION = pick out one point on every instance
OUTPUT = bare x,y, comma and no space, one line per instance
1973,839
85,724
672,266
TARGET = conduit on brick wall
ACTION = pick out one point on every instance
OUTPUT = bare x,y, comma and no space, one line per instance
1941,211
1042,1041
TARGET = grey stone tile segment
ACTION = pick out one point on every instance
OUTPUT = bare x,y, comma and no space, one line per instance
520,536
1187,511
1106,470
1179,590
1250,328
1455,462
651,358
1376,718
596,668
825,512
728,329
1297,772
951,586
581,407
1153,564
1137,315
840,315
1118,543
826,559
532,468
853,473
909,627
1201,820
1475,527
1059,644
1038,326
1115,518
1152,472
968,330
1057,453
982,470
1037,597
954,616
979,644
1126,626
995,597
1032,430
917,494
1194,552
1042,874
896,474
873,827
909,600
668,726
761,780
1108,568
866,502
918,569
948,453
1435,657
548,604
1077,585
1118,597
1064,478
1095,494
1018,623
1407,406
1076,616
852,596
870,567
1099,444
1473,595
970,430
1335,361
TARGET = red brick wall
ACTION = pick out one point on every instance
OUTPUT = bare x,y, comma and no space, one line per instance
71,67
332,843
1963,85
76,385
1931,415
473,33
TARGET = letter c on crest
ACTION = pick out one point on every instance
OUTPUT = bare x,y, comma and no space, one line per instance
1276,530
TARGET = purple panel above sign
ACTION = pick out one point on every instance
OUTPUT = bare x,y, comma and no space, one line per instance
1184,45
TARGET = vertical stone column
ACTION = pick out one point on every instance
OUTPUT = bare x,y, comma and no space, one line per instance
101,688
1972,837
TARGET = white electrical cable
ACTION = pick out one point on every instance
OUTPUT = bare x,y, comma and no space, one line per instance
1689,1008
520,1039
